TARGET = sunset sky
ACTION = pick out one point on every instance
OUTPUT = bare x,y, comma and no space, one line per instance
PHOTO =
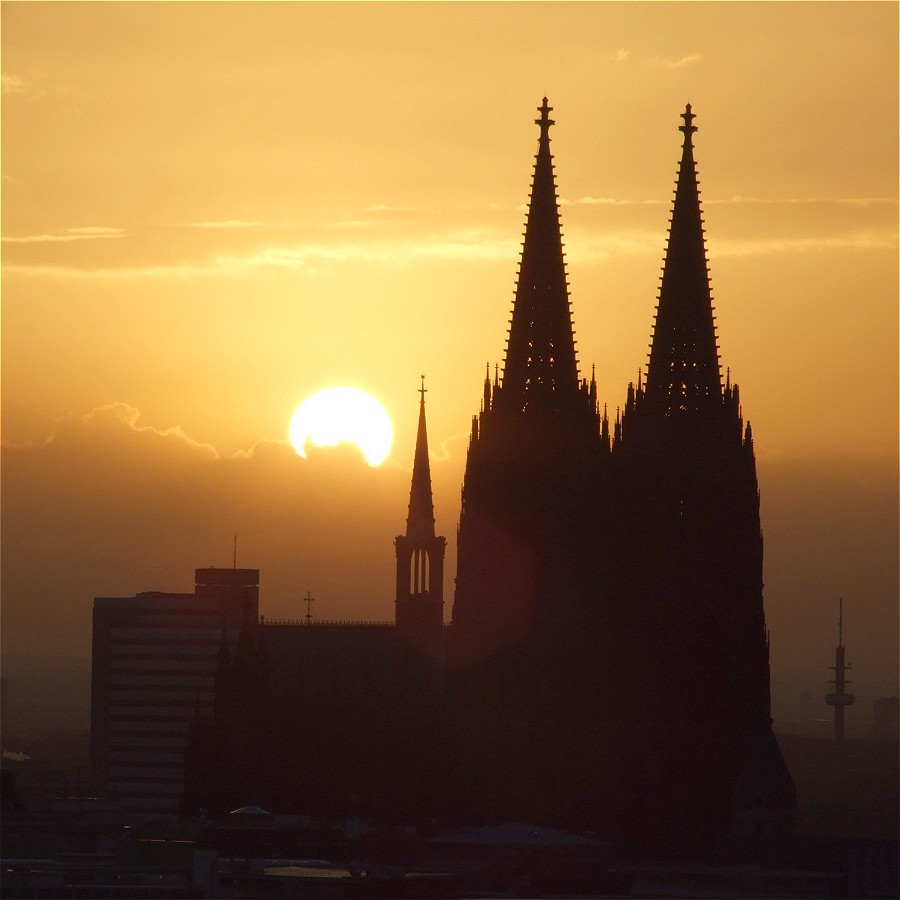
212,210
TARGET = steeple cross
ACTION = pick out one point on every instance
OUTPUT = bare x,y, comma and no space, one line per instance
544,121
423,389
688,128
309,600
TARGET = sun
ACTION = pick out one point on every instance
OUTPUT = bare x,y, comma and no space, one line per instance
343,415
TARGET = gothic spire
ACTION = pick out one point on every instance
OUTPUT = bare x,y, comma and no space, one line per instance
540,363
420,521
683,374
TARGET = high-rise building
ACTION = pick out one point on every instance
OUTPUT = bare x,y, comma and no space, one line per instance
154,664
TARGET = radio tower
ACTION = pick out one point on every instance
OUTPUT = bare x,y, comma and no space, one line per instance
840,698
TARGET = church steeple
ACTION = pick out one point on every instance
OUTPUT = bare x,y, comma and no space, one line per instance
683,374
540,367
420,520
420,553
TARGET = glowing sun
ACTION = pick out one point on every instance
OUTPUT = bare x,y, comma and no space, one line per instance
343,415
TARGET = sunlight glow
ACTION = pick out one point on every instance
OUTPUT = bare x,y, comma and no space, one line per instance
343,415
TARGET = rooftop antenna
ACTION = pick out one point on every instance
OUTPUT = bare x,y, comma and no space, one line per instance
839,698
309,600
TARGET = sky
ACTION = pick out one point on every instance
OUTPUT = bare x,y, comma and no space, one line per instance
212,210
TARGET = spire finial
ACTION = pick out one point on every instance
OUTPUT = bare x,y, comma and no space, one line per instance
688,128
422,390
544,121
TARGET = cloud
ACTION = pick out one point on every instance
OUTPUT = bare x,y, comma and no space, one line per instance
318,258
858,240
83,233
353,223
803,201
297,257
464,244
110,506
610,201
679,62
472,244
584,248
387,208
13,84
95,231
458,441
668,62
123,273
17,85
475,245
736,199
120,419
267,448
227,224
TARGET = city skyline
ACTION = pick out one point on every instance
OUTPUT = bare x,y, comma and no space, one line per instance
171,302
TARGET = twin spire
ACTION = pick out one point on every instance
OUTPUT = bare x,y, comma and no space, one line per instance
683,374
540,367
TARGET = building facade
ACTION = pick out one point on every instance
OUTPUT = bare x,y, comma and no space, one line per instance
154,662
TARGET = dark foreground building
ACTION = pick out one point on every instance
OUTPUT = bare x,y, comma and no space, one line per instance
337,719
154,659
607,665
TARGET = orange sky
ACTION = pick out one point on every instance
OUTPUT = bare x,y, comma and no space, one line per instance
212,210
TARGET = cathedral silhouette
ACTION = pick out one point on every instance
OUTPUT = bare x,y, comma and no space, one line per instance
607,665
